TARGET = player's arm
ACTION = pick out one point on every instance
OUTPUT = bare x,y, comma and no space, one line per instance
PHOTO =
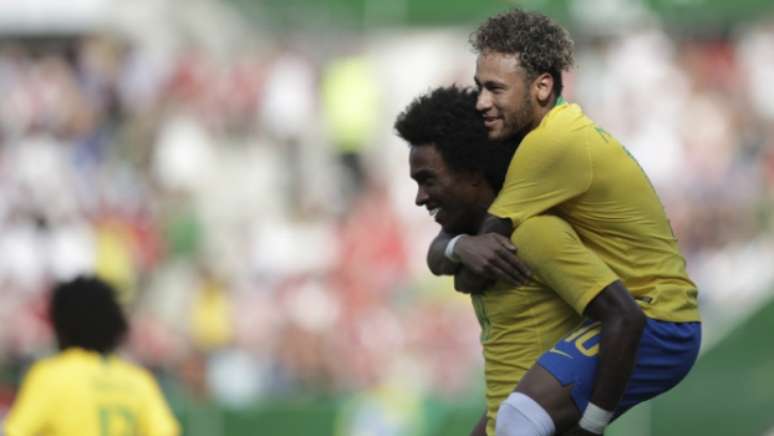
33,405
545,172
439,263
622,324
480,428
552,248
478,260
442,260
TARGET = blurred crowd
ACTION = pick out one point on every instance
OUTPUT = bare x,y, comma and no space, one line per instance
231,203
255,209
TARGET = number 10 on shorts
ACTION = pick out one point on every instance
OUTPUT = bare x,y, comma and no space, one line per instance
584,334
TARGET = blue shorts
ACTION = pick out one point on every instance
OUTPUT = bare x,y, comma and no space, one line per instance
667,352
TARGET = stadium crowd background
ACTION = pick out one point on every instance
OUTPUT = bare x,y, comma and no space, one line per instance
246,193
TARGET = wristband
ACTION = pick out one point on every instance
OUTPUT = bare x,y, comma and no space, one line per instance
448,252
595,419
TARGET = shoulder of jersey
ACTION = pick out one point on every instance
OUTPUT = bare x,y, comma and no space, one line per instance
560,124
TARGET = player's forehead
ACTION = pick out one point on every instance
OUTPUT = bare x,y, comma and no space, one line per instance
425,160
493,65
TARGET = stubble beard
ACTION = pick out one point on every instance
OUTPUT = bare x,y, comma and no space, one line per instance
520,124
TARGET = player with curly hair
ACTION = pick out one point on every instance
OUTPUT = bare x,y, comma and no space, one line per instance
642,330
458,172
447,120
85,389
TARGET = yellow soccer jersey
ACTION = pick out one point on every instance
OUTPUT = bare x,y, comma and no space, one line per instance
570,167
520,324
81,393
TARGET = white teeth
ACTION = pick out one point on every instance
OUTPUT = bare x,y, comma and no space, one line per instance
433,212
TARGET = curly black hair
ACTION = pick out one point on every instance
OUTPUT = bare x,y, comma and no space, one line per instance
447,118
85,314
542,45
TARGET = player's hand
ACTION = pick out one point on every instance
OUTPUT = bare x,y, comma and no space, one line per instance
493,256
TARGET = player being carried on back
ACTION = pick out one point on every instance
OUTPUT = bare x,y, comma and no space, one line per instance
567,166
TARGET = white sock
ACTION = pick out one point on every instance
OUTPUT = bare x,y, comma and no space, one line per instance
520,415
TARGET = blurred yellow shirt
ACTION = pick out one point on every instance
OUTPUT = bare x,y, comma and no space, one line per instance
82,393
520,324
212,317
570,167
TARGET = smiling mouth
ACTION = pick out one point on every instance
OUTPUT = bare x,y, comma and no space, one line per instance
436,213
490,121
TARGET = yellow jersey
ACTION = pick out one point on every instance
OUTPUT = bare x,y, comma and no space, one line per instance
82,393
520,324
570,167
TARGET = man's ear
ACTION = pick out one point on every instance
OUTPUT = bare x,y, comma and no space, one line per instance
543,88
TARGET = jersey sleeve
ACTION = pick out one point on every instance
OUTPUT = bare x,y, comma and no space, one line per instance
33,405
557,256
546,170
158,419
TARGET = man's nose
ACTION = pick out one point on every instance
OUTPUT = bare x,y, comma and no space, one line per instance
421,198
484,101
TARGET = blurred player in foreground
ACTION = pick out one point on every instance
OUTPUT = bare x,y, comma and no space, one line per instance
86,390
568,166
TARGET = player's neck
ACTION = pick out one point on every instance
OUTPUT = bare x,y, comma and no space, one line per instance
541,109
482,209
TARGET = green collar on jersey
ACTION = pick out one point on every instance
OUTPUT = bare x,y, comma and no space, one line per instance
559,101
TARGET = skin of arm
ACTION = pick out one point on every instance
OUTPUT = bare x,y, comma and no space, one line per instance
493,224
465,280
480,428
622,324
469,282
484,258
436,260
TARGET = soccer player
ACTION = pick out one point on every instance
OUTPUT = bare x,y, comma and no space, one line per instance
86,390
568,166
458,173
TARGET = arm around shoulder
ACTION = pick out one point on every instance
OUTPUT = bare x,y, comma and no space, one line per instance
543,175
437,261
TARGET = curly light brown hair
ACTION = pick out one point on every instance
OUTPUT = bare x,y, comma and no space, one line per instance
542,45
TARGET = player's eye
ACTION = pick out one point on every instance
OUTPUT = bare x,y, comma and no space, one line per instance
429,181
